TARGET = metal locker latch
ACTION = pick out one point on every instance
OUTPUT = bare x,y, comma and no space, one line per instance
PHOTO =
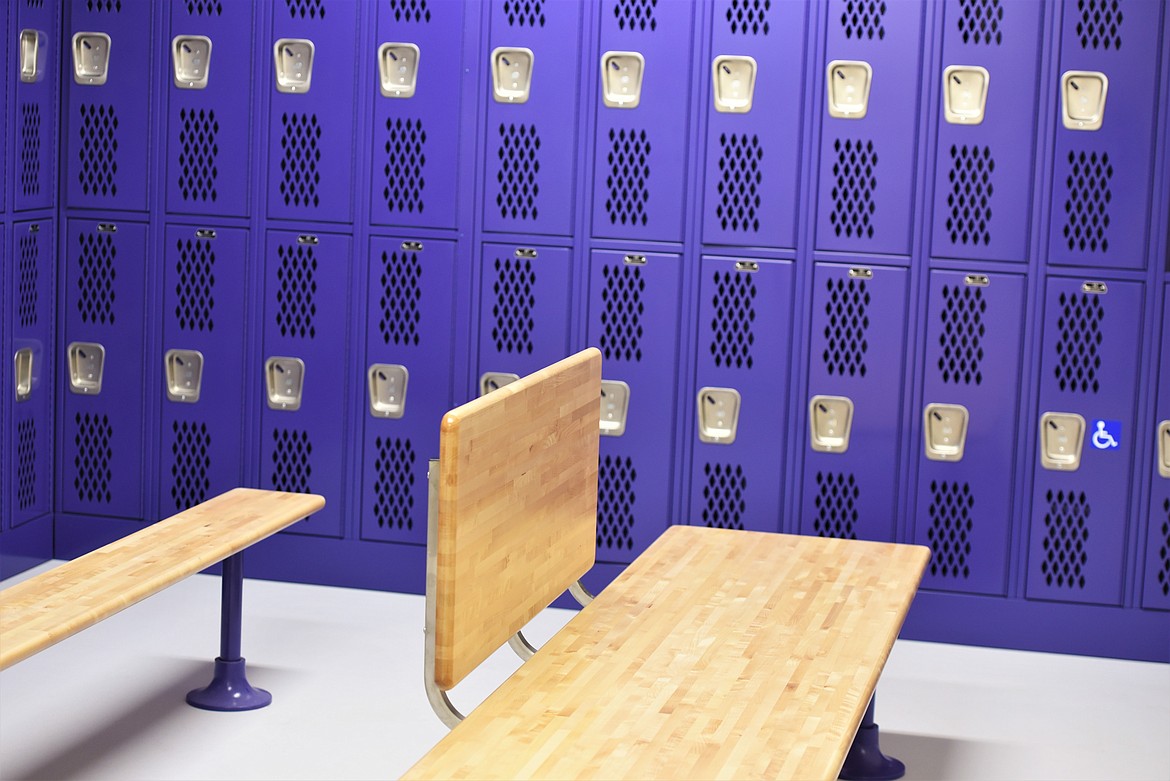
718,415
621,79
1062,435
387,383
86,363
734,83
24,373
91,58
1083,99
184,369
965,94
615,406
285,380
294,64
945,430
33,44
191,56
491,381
848,86
830,420
397,69
512,74
1164,448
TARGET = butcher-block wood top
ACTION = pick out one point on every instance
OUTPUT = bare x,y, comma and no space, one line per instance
716,654
43,610
517,515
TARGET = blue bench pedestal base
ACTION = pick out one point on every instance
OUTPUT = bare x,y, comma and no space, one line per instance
865,760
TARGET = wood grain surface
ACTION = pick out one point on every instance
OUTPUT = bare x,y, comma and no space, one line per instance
517,508
716,654
45,609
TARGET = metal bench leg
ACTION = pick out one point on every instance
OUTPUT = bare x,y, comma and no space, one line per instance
865,760
229,689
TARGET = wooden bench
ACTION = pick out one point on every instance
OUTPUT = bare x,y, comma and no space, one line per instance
57,604
716,654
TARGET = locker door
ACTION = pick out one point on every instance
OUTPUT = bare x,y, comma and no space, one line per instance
633,319
866,200
416,139
310,133
105,265
1101,178
1156,593
204,285
30,320
108,125
639,180
1088,367
753,159
745,321
858,331
4,126
303,432
964,505
532,146
209,129
409,333
983,170
36,111
524,298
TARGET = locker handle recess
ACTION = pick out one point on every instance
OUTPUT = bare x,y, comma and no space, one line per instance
24,373
306,238
749,266
397,69
86,365
945,431
412,246
107,227
387,386
526,252
1164,448
285,381
184,372
205,233
1062,437
634,260
294,64
830,420
615,407
490,381
1097,288
976,280
91,58
718,415
33,44
191,59
861,273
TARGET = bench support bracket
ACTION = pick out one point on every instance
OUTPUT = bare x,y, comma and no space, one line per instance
865,760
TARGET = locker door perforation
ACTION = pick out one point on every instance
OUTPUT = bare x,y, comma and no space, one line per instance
191,464
1066,534
854,186
195,270
30,149
724,502
616,481
749,17
635,15
109,6
292,464
299,9
836,502
962,335
1164,552
628,180
204,8
93,436
864,19
406,159
98,130
979,21
300,159
1099,26
969,202
394,485
516,177
35,3
846,333
524,13
296,297
1078,346
198,152
621,314
951,526
732,329
512,310
95,282
741,173
26,463
28,289
401,282
1087,206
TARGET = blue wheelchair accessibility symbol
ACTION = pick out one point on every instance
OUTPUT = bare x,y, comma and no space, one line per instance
1106,434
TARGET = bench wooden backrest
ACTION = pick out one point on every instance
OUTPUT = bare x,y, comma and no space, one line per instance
517,508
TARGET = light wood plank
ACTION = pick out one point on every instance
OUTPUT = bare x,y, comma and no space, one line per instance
716,654
44,610
517,507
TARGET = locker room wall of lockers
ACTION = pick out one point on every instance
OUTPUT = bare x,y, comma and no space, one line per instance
859,304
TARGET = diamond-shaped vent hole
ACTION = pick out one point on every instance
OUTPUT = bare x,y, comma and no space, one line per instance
198,154
301,9
30,149
26,463
1099,25
980,21
97,155
1066,538
296,295
724,496
204,7
410,10
190,463
628,181
836,505
864,19
517,188
400,302
854,185
300,160
961,337
28,277
847,327
93,438
951,529
95,280
616,483
621,312
1078,346
394,485
513,303
733,327
195,285
969,201
741,173
1164,551
749,17
1086,210
524,13
635,14
292,464
108,6
406,160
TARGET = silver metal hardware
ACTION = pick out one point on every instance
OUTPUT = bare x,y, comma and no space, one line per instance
184,371
615,406
512,74
1097,288
860,273
205,233
830,419
621,79
397,69
1062,435
965,94
440,704
285,381
718,415
1164,448
91,58
107,227
412,246
526,252
33,45
848,87
387,385
976,280
86,364
1083,99
733,83
34,227
634,260
749,266
306,238
524,649
294,64
24,373
944,427
491,381
578,591
191,60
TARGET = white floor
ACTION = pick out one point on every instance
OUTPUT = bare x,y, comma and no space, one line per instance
345,669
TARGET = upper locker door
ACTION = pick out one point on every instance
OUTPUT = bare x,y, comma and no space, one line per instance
753,148
1081,502
313,83
867,152
985,156
1156,593
209,107
639,176
37,40
417,110
107,120
531,76
1101,173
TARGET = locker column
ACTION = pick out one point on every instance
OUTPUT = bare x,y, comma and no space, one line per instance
1155,593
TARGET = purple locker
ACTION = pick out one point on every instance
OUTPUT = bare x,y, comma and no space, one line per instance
753,159
524,298
858,330
303,425
204,285
1101,178
634,320
866,201
104,298
639,180
311,133
416,139
208,129
1088,367
983,172
964,506
30,322
1156,593
107,126
410,312
4,133
532,146
35,112
745,345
